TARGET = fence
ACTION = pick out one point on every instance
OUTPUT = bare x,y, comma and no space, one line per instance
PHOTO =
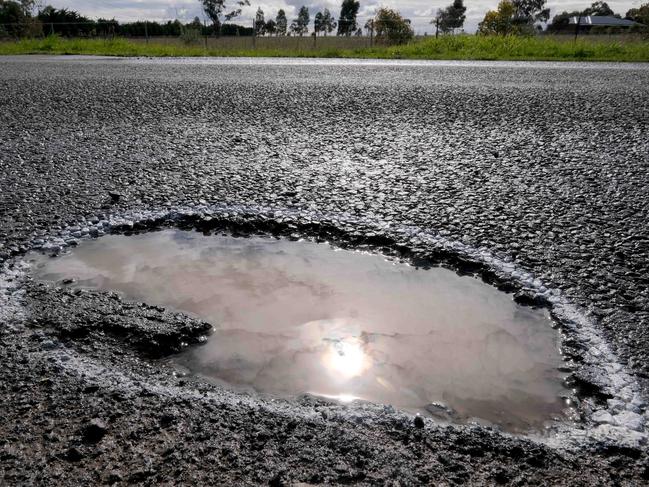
298,43
232,36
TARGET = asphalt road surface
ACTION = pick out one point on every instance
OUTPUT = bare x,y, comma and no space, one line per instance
533,175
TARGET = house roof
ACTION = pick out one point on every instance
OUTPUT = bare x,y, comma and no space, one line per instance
603,20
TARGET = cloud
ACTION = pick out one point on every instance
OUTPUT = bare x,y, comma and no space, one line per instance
418,11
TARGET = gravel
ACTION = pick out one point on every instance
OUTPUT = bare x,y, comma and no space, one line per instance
532,175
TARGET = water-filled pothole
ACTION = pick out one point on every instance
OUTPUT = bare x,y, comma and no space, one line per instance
294,317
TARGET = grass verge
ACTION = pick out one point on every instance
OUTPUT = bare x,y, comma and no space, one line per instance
466,47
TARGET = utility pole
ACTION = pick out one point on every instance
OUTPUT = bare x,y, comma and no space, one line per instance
437,26
254,35
146,32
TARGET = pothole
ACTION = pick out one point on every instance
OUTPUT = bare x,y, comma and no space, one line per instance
294,317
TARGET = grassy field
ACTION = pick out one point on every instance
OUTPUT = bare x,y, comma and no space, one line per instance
446,48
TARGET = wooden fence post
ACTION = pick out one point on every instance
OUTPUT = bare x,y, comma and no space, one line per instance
205,30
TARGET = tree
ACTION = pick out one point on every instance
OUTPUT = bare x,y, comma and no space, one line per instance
214,10
501,21
18,14
317,23
281,22
450,18
237,30
65,22
347,20
369,27
438,21
391,27
271,27
195,24
599,8
528,12
260,22
640,14
105,27
30,7
13,14
455,16
514,17
328,22
300,26
174,28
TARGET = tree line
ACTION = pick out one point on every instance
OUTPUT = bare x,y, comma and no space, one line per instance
387,24
512,17
324,22
18,19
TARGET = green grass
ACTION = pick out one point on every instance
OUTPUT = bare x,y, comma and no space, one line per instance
445,48
523,48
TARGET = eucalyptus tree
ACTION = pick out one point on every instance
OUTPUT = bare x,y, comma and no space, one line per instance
640,14
317,23
215,9
347,20
260,22
528,12
271,27
450,18
328,22
599,8
300,26
281,23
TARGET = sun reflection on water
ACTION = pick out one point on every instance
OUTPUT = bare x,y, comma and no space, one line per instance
346,359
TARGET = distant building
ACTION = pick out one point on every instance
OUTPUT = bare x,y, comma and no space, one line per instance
602,21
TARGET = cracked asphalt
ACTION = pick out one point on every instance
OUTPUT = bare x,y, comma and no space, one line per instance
544,167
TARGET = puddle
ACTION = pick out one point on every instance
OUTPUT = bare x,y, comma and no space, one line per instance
295,317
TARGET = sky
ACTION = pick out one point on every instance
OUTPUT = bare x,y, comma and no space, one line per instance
418,11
